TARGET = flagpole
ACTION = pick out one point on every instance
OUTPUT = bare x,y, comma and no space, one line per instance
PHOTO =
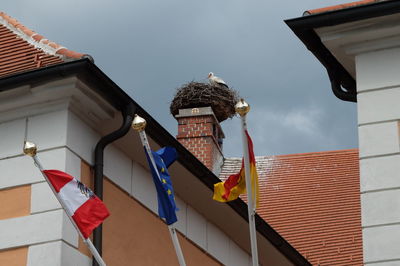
30,149
139,124
242,108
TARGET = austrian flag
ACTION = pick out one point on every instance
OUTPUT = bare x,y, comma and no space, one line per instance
85,208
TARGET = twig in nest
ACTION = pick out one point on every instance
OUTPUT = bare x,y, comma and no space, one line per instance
195,94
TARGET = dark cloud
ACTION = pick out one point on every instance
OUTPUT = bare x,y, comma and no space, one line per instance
152,47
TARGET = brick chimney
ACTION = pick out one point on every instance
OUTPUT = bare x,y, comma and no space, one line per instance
200,132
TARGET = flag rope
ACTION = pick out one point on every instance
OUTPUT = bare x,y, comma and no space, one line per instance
87,241
171,228
251,206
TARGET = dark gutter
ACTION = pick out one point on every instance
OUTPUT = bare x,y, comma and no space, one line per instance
90,73
127,116
342,83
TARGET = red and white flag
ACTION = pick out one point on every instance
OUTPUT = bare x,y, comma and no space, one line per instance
85,208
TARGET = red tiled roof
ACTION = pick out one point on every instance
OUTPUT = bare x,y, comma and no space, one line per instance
21,49
313,201
341,6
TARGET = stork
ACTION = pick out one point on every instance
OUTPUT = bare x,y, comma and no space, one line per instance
214,80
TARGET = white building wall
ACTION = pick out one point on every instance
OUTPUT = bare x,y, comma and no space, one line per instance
378,86
12,135
47,230
64,140
56,253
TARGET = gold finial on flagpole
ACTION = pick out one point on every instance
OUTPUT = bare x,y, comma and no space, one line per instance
30,148
138,123
242,108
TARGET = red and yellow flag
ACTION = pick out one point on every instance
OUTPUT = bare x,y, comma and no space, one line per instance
235,184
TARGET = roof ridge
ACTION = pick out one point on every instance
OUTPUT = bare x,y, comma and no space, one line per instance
340,6
37,40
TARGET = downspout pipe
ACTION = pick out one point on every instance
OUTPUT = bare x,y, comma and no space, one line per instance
350,94
127,114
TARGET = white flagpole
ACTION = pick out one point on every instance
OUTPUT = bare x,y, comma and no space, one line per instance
242,108
139,124
177,246
31,149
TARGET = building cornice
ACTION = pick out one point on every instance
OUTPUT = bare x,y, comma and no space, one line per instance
343,83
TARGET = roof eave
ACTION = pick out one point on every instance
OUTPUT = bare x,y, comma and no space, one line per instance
342,83
89,72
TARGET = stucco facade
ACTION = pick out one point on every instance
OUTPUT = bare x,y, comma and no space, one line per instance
373,45
378,120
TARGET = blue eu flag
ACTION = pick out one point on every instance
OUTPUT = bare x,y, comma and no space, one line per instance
165,193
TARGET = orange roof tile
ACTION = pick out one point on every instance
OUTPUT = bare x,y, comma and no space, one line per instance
313,201
22,49
341,6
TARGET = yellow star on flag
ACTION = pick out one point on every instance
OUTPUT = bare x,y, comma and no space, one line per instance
169,192
164,181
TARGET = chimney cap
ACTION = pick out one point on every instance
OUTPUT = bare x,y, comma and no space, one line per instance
196,112
201,111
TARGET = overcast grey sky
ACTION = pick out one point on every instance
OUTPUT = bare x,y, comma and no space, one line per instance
151,47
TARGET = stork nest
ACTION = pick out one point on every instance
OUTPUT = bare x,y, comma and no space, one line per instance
195,94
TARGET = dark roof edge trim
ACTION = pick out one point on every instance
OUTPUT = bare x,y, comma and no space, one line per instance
350,14
89,72
342,83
